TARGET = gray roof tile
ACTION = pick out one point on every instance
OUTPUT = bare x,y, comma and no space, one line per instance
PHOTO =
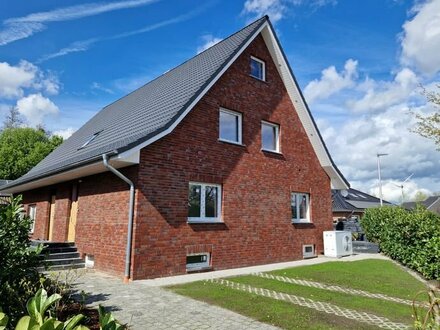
145,112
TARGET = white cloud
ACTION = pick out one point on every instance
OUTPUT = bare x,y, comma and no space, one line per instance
421,38
77,46
22,27
99,87
65,133
356,141
35,108
277,9
392,191
381,95
208,41
14,79
83,45
274,8
331,81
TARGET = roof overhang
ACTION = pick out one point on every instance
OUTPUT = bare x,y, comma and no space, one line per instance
72,174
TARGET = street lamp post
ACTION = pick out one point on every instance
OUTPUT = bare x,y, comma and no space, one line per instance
380,180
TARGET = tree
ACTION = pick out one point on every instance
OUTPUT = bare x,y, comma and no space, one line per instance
13,119
428,126
22,148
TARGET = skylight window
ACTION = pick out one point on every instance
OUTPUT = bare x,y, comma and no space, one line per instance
89,141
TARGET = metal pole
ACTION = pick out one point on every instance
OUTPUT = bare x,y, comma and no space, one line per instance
380,180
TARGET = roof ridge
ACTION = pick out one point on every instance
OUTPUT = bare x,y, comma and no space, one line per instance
265,17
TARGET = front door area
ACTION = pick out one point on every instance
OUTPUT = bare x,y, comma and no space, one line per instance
73,213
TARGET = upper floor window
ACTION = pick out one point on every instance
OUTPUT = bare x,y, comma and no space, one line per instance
204,202
32,215
299,203
270,137
230,126
258,68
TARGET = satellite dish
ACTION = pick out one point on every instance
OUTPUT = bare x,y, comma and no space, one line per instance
344,192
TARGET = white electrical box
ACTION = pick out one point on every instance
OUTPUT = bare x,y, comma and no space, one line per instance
337,243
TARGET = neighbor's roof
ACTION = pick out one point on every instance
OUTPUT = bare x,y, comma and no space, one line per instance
427,203
355,200
154,109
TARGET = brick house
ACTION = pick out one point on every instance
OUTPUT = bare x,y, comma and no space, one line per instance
216,164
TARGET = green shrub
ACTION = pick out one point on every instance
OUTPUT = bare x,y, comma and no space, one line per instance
19,278
410,237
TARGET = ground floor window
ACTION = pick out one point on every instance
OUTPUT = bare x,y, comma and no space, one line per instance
299,203
32,212
204,202
197,261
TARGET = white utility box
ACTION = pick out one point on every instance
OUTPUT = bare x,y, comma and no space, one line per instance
337,243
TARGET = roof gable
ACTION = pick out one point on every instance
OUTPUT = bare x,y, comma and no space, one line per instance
155,109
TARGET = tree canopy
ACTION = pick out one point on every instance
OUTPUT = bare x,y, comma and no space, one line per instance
429,125
21,148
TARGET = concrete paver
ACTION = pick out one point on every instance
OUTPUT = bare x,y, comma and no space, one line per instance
145,307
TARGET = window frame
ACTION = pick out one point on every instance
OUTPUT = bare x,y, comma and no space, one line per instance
277,136
32,215
203,218
199,265
307,219
239,129
263,68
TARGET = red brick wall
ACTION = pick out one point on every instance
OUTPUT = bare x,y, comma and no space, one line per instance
102,218
256,185
41,199
101,228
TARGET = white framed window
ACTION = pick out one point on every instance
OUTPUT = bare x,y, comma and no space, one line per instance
270,136
197,261
230,126
32,212
204,202
258,68
300,205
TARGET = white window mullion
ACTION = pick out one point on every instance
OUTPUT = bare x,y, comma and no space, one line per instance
203,201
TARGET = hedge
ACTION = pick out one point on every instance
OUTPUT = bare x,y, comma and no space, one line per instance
410,237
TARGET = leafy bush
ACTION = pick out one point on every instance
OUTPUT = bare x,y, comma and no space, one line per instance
410,237
19,278
37,319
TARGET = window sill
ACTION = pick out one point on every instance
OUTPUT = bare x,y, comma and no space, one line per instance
259,79
199,269
204,221
232,142
304,222
272,151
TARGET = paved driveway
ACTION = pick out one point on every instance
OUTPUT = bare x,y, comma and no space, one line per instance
145,307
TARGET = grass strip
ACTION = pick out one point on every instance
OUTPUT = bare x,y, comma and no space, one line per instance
279,313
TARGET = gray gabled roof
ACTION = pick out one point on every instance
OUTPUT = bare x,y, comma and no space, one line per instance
426,203
153,111
355,200
143,113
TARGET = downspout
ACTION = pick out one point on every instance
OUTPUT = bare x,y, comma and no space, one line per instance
130,216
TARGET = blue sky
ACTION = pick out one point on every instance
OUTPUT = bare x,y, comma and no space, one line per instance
359,63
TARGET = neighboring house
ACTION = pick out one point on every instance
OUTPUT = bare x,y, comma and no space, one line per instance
351,204
431,203
227,166
4,197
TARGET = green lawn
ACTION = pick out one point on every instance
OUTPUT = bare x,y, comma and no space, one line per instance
378,276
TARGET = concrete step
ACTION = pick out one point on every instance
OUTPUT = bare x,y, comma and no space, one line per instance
53,250
69,261
63,267
64,255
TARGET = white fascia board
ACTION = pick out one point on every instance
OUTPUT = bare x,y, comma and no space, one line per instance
337,181
76,173
137,148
